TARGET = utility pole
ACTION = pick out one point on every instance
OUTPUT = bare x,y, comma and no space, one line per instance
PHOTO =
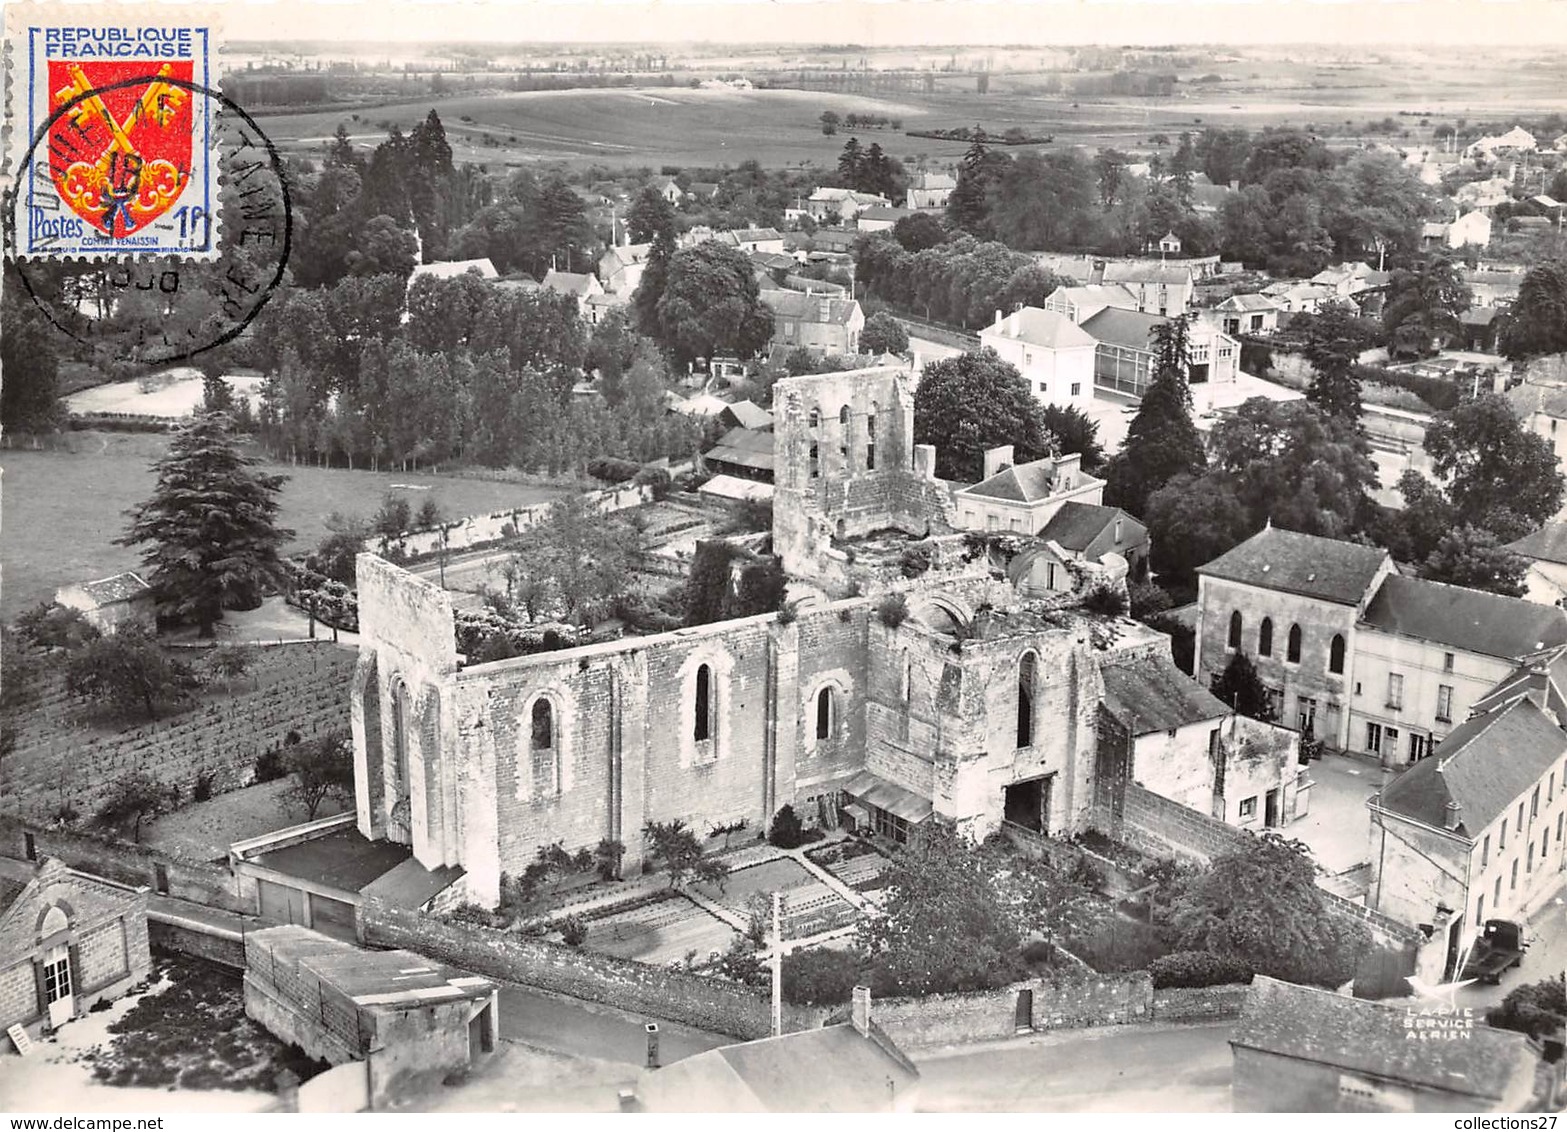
777,964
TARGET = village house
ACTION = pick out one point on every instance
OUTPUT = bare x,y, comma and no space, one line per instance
1540,402
752,240
1546,552
1022,498
1086,532
1300,1049
821,323
929,191
621,267
1472,229
1349,279
1477,828
851,1066
1054,355
1248,314
1082,302
1484,196
1252,776
1125,359
575,285
109,603
1353,653
1515,140
1156,288
668,188
842,205
453,269
1299,298
702,190
880,219
1491,288
68,941
1291,603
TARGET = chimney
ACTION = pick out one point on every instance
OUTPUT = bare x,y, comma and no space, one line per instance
997,325
1012,325
1067,469
860,1011
652,1044
1453,815
997,460
925,461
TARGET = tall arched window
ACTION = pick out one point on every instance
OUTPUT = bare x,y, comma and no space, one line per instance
543,726
1027,673
870,439
400,734
843,416
1235,629
1336,655
1293,656
703,724
1265,637
824,713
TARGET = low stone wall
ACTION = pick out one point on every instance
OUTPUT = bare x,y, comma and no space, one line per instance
188,940
196,881
708,1004
481,530
1198,1004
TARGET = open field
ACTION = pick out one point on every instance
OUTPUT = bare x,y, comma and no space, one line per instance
64,508
175,393
658,125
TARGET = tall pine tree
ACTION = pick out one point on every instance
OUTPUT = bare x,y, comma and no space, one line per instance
1162,441
210,527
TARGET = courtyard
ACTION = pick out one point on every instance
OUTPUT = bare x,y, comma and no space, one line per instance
1338,825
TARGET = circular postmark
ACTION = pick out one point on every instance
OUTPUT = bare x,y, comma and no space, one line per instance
213,261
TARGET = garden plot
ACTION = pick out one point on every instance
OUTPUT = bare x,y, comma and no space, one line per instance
856,863
661,929
811,906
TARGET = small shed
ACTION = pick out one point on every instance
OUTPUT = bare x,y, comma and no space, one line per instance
110,603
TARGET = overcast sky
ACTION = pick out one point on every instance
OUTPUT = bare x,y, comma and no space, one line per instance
924,22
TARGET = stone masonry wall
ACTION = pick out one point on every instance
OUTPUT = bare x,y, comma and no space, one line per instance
709,1004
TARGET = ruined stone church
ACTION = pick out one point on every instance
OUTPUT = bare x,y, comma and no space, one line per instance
969,693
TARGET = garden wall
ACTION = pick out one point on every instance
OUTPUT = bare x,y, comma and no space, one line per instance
478,530
188,940
709,1004
196,881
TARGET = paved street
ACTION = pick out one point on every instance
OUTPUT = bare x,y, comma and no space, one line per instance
1546,957
1338,825
588,1029
1108,1069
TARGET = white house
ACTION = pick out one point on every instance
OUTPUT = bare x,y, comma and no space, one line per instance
1156,288
930,190
842,204
1515,140
1470,229
1053,354
1023,498
620,268
1249,314
1546,552
578,285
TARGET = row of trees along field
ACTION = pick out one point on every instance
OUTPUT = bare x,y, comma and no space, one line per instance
1299,206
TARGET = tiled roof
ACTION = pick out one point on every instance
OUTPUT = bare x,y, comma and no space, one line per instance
1021,483
1248,303
630,254
1131,329
1150,694
745,448
810,308
1336,1030
1075,525
1548,544
1146,273
568,282
1309,565
1550,400
1484,765
935,181
886,212
1479,316
1542,677
453,268
10,889
1461,618
1040,328
755,235
121,587
748,414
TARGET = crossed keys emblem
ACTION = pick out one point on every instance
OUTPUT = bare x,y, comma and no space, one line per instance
121,183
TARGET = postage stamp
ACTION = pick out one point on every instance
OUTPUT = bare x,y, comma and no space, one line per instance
112,147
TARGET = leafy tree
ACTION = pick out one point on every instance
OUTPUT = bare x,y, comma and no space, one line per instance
1162,441
650,216
1537,1009
1333,349
322,768
1537,322
1490,463
210,526
711,305
1260,903
1423,304
676,848
968,206
830,122
607,855
383,248
217,395
336,554
973,402
786,832
231,661
822,976
1191,521
577,557
128,669
395,516
1475,558
430,514
1075,432
883,334
135,797
945,927
52,626
851,163
28,396
918,231
1240,687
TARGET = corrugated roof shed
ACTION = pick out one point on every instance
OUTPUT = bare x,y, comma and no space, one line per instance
1461,618
1309,565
